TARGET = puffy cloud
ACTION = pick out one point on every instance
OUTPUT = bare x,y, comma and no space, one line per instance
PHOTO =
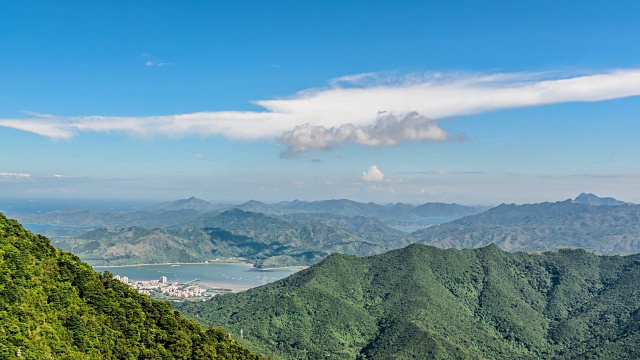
388,130
348,107
373,174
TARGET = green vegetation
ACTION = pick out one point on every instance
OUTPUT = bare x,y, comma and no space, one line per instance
266,241
608,230
53,306
424,302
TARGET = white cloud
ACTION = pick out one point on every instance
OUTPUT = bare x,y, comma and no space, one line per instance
11,175
355,101
388,130
58,176
373,174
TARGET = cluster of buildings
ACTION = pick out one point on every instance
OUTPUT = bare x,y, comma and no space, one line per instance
162,289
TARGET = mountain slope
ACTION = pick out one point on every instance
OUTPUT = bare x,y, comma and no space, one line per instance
606,230
366,227
266,241
425,302
53,306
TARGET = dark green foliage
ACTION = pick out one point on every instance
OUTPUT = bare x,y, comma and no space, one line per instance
53,306
422,302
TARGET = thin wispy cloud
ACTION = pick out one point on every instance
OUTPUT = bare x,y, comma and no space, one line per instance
442,172
352,105
152,61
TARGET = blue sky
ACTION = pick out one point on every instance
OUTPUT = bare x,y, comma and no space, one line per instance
458,101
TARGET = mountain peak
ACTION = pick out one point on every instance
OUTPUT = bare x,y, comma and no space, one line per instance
591,199
192,203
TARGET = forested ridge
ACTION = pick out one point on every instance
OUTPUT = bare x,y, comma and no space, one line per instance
607,230
53,306
423,302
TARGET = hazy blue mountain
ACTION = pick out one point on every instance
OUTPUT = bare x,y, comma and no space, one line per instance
398,213
191,203
422,302
260,207
592,199
546,226
180,211
435,209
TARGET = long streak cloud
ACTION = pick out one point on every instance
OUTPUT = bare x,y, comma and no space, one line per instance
351,105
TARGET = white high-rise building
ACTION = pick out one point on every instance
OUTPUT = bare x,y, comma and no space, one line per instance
163,279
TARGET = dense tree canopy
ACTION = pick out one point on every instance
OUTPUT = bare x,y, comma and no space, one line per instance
423,302
53,306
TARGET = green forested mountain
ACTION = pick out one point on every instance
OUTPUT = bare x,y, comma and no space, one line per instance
423,302
264,240
53,306
608,230
366,227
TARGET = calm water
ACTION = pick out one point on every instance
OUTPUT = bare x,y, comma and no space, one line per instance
236,276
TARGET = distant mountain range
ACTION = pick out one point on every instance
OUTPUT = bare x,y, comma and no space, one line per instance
422,302
181,211
608,230
303,233
258,238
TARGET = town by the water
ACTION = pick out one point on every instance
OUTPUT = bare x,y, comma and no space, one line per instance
175,291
